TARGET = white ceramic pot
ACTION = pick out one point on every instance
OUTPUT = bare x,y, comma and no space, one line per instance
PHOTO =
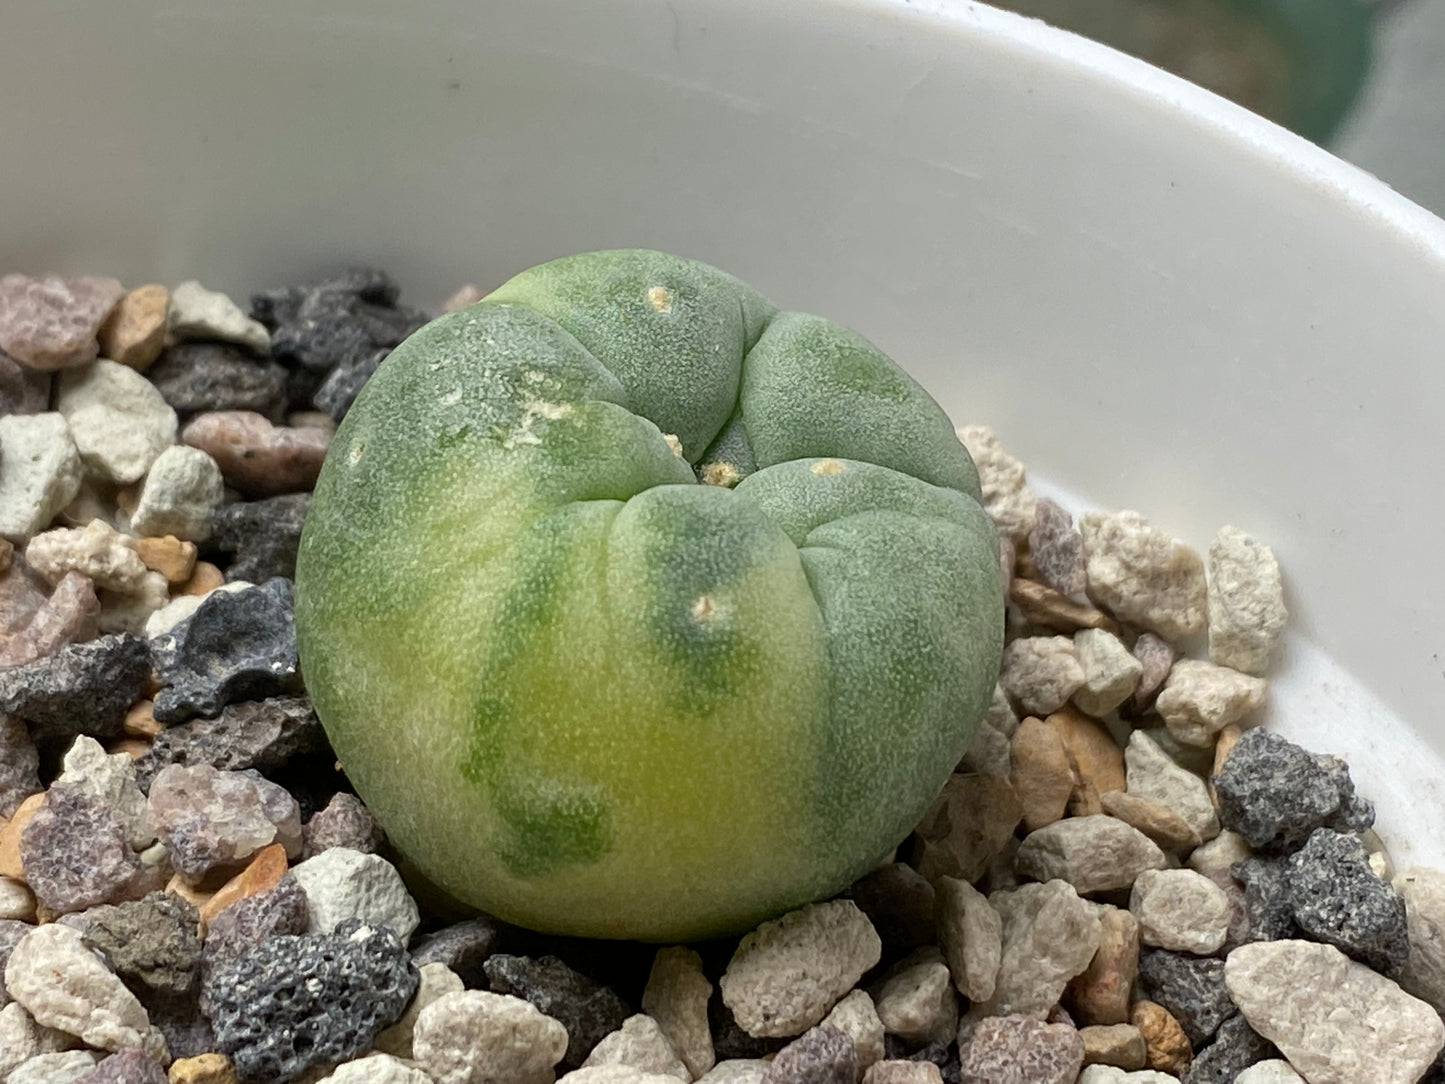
1157,300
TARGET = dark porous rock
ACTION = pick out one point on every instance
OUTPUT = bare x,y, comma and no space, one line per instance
1236,1047
150,943
296,1002
131,1066
345,822
464,947
239,645
199,377
262,536
74,852
187,1033
1190,987
261,734
1019,1050
1274,793
19,765
237,929
341,386
821,1055
1339,900
79,689
23,390
1268,902
899,901
588,1010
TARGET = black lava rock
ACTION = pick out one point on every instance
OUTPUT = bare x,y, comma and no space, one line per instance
1236,1047
150,943
261,734
19,765
1275,794
202,376
1268,902
237,929
262,536
341,386
126,1067
1190,987
80,689
1339,900
294,1002
239,645
187,1033
464,947
821,1055
586,1009
899,901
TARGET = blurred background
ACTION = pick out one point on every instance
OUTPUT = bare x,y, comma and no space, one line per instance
1365,78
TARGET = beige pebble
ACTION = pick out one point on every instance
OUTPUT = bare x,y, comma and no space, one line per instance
1166,1047
970,933
1041,672
168,555
205,578
1160,823
210,1068
916,1000
1247,613
1119,1045
97,551
1040,773
966,828
1043,606
1006,495
1094,854
1093,754
1111,673
676,996
1199,699
1142,575
857,1017
1100,995
140,720
135,330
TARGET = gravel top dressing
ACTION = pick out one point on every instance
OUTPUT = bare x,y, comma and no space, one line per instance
1114,877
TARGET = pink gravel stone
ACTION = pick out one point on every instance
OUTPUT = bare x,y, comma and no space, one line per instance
1018,1050
69,616
1057,548
258,458
51,322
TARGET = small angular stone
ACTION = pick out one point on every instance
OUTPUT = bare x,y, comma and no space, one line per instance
262,734
261,874
916,1001
1049,936
198,313
466,946
821,1055
1111,673
125,1067
208,818
1152,774
342,884
1094,854
1200,699
97,551
433,982
787,974
117,418
377,1069
130,612
1158,822
337,321
345,822
262,535
1120,1045
1041,672
1018,1050
987,753
1181,910
1156,659
1271,1071
150,943
1057,548
168,555
1336,1021
1006,496
1041,774
676,997
17,903
258,458
476,1037
40,472
341,386
208,1068
135,331
1246,602
1221,852
294,1002
1268,900
63,985
1142,575
640,1044
1192,989
1236,1047
68,616
51,321
181,493
1275,794
245,924
1100,994
900,903
197,378
21,1038
62,1067
970,933
1424,893
1043,607
857,1017
1166,1047
966,828
109,778
903,1072
237,646
74,852
589,1012
23,390
1339,900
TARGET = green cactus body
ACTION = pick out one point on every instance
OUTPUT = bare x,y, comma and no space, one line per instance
590,695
